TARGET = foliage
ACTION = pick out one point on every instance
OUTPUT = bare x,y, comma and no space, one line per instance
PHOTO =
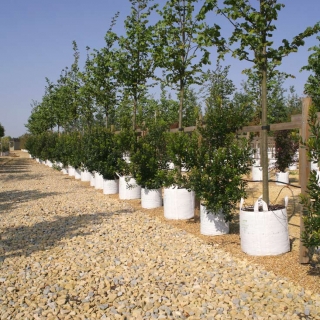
294,102
75,151
149,161
102,152
311,201
5,143
181,34
134,62
278,110
312,87
102,79
62,149
251,40
286,144
43,145
2,131
23,138
221,160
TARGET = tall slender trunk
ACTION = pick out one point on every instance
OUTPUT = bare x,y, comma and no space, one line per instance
264,121
134,117
181,103
182,74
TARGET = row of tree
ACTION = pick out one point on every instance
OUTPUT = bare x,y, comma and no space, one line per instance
112,92
115,82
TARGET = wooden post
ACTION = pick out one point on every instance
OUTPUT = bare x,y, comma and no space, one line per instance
304,171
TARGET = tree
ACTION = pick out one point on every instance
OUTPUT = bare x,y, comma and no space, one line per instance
253,29
2,131
103,76
180,41
277,104
294,102
87,107
311,200
134,61
312,87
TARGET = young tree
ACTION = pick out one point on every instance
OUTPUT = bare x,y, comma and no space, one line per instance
103,70
87,107
219,92
312,87
253,31
181,40
218,88
2,131
277,104
134,61
294,102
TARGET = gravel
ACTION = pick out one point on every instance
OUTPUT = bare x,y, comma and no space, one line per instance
69,252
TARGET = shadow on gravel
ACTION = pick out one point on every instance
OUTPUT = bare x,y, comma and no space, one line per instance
11,199
16,166
24,240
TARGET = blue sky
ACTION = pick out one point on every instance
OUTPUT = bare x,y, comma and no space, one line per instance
36,42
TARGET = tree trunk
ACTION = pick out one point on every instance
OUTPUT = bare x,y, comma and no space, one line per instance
264,122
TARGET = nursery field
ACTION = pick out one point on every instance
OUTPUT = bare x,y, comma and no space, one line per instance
69,252
286,265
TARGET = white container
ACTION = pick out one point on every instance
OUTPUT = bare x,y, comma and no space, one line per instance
212,224
85,175
110,186
92,179
257,162
49,163
98,181
282,178
256,173
37,160
264,233
293,166
314,166
64,170
178,203
59,165
71,171
128,188
77,174
151,198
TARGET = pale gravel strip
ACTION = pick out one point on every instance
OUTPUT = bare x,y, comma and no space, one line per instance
70,252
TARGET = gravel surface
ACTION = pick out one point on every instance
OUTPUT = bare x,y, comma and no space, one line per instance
69,252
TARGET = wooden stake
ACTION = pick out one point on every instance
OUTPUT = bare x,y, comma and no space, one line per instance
304,171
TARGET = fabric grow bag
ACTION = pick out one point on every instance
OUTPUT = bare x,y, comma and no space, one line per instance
128,188
151,198
77,174
92,179
178,203
110,186
212,224
256,173
98,181
264,233
85,176
282,177
71,171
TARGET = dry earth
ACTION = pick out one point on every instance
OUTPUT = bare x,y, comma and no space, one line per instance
69,252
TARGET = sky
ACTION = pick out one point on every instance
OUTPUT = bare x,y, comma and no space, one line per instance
36,42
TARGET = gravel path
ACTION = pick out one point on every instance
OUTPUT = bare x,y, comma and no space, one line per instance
69,252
